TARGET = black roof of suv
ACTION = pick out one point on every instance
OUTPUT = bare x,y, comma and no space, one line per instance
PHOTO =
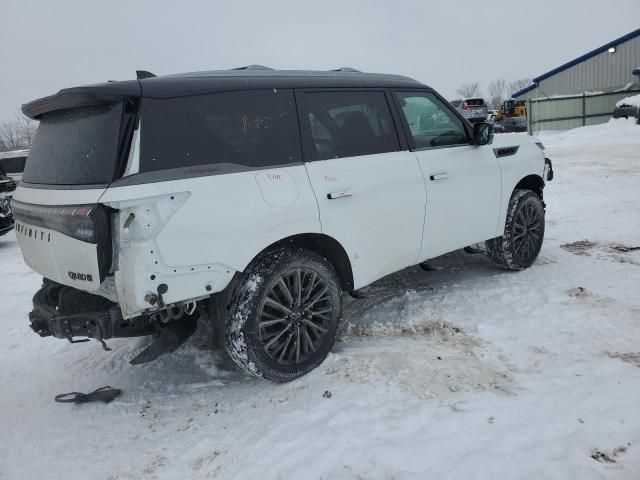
199,83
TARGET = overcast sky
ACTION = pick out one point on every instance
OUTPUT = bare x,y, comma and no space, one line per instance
48,45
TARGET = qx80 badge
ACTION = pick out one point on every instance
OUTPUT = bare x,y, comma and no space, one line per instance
85,277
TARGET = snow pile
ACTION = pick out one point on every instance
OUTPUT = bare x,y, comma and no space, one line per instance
617,131
633,101
464,372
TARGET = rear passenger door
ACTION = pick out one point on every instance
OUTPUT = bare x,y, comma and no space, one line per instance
463,180
370,192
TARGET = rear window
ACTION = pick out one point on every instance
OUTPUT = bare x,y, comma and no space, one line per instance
475,102
75,147
252,128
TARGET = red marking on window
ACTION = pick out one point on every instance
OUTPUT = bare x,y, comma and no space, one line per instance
263,122
245,123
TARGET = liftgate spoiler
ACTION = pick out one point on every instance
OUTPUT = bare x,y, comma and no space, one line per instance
90,95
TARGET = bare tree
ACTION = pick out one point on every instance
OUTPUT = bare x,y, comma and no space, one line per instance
27,128
18,133
518,85
469,90
496,92
10,136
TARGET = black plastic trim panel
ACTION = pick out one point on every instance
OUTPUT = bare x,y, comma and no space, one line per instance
505,151
195,171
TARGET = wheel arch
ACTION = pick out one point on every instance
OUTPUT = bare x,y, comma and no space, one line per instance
323,245
531,182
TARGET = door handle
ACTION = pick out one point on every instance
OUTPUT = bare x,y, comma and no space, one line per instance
439,176
341,194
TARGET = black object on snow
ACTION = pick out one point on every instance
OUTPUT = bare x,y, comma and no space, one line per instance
104,394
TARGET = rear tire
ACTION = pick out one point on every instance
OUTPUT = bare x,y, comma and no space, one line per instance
521,242
284,315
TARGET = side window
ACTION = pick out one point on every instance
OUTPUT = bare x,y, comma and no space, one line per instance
430,122
251,128
347,124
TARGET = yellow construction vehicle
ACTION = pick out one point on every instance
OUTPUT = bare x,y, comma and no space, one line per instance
512,108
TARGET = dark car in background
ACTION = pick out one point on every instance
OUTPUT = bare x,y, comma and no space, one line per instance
513,124
6,216
626,110
7,184
7,187
497,128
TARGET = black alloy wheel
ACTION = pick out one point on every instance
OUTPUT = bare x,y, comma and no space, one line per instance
295,316
284,314
527,234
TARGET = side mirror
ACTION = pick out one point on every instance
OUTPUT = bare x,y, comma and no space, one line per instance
482,133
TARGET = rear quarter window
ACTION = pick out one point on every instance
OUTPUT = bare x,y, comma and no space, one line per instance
255,128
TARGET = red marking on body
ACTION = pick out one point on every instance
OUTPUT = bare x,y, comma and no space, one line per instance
330,179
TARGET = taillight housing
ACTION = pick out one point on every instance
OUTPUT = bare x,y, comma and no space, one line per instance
87,223
76,221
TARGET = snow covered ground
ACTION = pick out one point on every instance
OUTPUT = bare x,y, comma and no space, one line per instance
468,372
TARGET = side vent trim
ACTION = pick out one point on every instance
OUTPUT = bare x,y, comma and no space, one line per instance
506,151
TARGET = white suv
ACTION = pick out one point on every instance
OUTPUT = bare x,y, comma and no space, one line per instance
473,109
252,198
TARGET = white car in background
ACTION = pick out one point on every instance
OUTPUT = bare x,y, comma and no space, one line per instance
253,198
473,109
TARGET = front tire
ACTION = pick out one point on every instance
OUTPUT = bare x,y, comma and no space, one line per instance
284,315
521,242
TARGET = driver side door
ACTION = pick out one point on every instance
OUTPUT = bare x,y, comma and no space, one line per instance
463,180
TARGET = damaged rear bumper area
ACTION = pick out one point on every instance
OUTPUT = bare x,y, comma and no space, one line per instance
68,313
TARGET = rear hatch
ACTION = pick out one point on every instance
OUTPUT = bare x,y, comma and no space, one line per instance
81,145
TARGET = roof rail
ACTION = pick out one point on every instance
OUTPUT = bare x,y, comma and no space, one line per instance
346,69
253,67
141,74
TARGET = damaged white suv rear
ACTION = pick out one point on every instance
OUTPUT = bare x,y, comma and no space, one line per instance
253,198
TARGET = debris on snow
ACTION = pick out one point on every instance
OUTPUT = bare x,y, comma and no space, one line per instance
578,292
604,457
580,247
632,358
